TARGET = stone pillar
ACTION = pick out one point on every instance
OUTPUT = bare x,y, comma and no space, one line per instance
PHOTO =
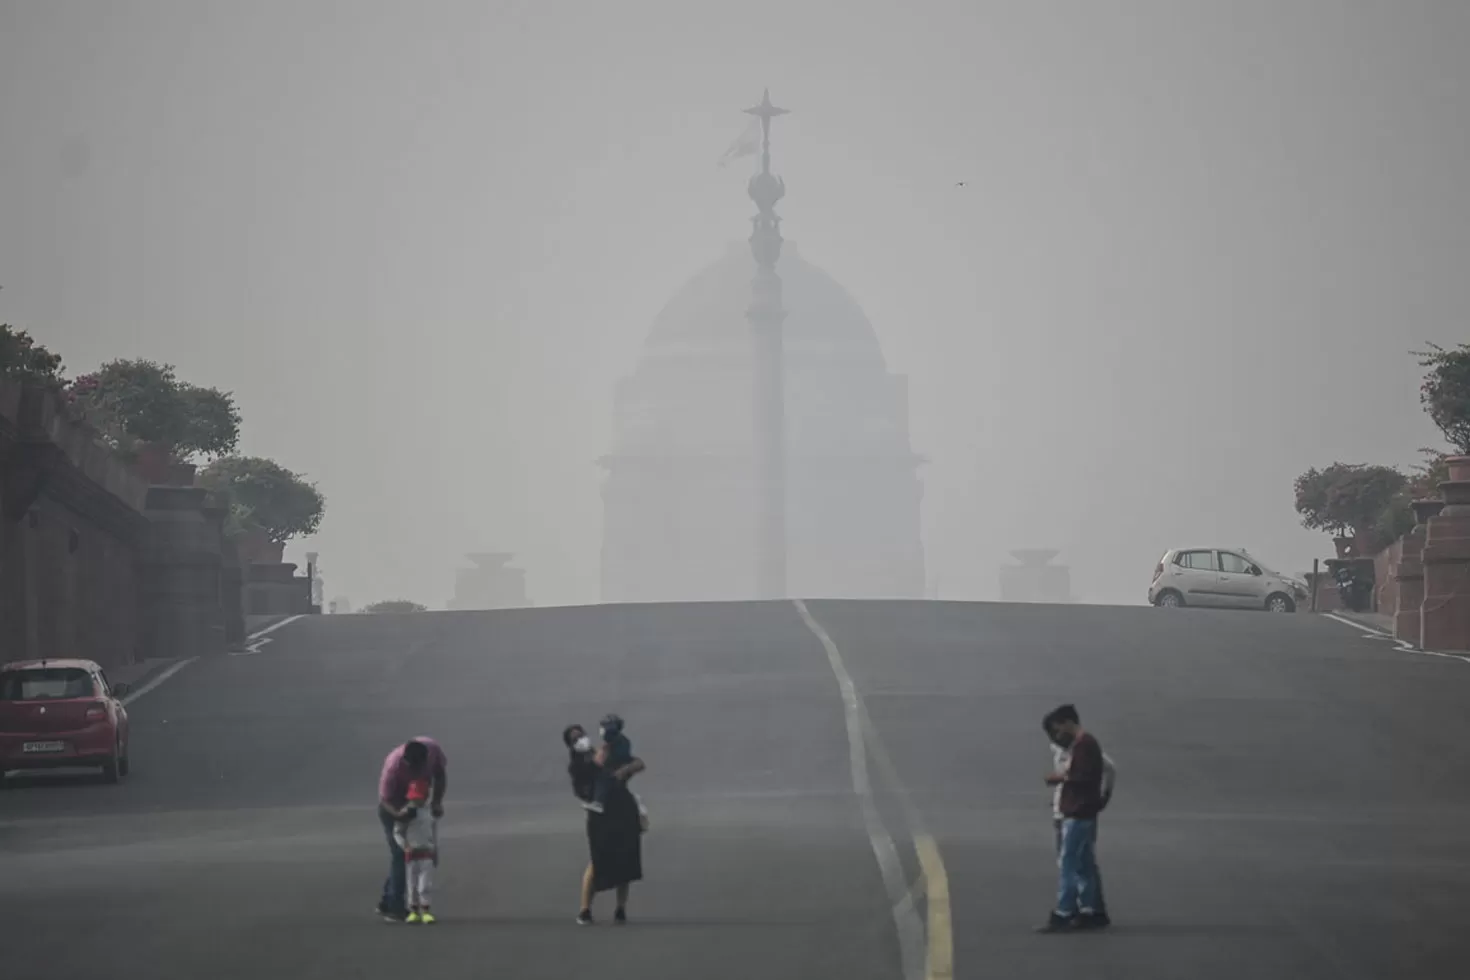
181,567
1409,574
1445,615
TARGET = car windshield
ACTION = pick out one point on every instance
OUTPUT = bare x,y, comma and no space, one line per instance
45,684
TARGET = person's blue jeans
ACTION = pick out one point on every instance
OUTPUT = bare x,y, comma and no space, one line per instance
1078,886
395,888
1099,902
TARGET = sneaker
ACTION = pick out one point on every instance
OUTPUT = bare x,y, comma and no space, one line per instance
621,917
427,917
392,916
592,807
1056,923
414,918
1093,920
584,917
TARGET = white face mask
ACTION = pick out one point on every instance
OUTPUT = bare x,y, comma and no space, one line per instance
583,744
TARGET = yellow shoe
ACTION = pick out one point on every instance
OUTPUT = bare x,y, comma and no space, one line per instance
414,917
427,918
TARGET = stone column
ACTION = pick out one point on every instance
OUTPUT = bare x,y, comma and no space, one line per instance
1409,573
1445,615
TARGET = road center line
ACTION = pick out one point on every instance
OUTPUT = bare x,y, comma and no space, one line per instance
935,962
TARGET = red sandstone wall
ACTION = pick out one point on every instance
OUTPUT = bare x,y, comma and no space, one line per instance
68,569
1385,584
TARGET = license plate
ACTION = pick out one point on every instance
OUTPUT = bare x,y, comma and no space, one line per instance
44,747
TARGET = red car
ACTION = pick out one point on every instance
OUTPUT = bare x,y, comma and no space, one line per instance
62,714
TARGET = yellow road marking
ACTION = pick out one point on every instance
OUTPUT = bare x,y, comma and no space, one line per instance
940,958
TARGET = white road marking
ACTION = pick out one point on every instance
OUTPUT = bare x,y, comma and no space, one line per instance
274,626
905,915
258,639
1403,645
165,675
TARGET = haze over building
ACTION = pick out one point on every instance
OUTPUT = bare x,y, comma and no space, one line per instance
761,444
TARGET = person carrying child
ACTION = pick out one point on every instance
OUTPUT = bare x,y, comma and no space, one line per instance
417,834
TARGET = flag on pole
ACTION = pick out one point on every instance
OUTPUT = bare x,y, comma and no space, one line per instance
747,144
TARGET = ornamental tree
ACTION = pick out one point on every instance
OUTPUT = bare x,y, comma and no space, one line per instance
395,606
1349,497
1445,393
22,359
136,402
264,494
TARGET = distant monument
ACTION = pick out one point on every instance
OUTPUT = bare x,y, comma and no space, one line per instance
761,446
1034,580
491,584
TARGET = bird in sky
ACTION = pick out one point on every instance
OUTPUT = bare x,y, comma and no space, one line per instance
962,183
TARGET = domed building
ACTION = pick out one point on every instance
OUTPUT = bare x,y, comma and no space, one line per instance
683,514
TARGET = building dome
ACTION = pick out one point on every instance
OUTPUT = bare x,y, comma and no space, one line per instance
707,314
679,519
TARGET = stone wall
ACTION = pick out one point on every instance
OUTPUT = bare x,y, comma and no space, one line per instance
94,561
70,534
1422,580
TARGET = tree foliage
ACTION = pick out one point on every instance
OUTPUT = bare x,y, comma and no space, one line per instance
1428,475
136,401
395,606
22,359
1445,393
1349,497
264,494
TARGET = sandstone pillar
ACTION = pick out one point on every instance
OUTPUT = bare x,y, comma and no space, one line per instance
1409,574
1445,615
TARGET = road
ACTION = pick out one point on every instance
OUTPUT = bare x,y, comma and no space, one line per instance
1291,802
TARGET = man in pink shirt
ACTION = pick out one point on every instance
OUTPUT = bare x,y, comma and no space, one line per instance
419,758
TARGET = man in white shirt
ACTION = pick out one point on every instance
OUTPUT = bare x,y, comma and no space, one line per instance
1060,757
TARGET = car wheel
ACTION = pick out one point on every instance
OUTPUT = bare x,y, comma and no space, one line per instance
1169,599
124,765
1278,602
112,768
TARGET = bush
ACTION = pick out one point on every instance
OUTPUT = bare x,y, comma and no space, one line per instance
22,359
135,402
264,494
395,606
1349,497
1445,392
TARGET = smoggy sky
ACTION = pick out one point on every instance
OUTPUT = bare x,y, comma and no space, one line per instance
421,241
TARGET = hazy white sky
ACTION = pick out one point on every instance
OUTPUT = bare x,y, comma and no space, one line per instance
420,242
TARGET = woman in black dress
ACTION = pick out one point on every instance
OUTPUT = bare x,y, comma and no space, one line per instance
615,836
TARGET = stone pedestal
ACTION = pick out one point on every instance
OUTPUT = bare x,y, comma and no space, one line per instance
1409,574
181,573
1445,615
274,589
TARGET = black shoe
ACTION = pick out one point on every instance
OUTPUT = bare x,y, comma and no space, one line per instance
1093,920
1056,923
392,915
584,917
621,917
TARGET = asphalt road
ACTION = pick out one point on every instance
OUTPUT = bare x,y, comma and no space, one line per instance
1292,799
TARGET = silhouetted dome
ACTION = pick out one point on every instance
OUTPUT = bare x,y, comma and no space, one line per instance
707,314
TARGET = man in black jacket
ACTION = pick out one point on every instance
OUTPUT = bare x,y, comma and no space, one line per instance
1081,799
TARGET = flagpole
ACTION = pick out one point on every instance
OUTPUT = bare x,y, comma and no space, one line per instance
766,316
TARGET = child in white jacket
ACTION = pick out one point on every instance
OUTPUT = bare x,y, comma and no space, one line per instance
417,834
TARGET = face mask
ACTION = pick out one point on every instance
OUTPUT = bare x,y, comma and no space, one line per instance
1065,739
602,733
583,744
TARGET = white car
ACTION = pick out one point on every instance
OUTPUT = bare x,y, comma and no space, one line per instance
1222,578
